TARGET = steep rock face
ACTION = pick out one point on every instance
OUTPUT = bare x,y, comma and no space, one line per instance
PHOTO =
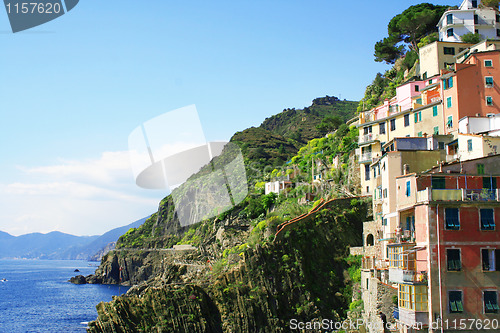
133,266
169,309
301,277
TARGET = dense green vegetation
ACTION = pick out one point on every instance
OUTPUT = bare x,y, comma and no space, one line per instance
406,30
305,275
279,137
407,33
472,38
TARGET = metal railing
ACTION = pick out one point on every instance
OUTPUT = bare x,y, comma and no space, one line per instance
458,195
414,276
366,138
454,21
366,157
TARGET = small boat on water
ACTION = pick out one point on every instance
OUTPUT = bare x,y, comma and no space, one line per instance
4,280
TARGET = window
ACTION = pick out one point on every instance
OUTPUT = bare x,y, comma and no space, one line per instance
449,32
448,102
490,259
410,223
413,297
393,124
385,193
498,32
488,81
367,129
419,101
419,134
417,88
453,260
407,120
418,116
448,83
469,145
449,19
430,81
480,169
449,50
489,100
488,63
476,19
435,111
424,76
367,171
381,128
452,221
441,145
487,219
384,221
497,18
490,182
449,122
408,188
490,301
436,130
474,3
438,183
455,301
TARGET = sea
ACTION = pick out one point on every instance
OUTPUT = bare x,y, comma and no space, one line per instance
37,297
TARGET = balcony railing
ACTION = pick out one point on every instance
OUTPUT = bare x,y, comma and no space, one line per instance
394,109
480,195
454,21
366,138
414,276
368,263
480,22
365,157
458,195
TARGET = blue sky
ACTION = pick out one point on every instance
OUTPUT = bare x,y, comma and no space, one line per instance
72,90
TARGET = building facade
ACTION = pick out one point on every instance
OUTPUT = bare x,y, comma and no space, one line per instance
470,17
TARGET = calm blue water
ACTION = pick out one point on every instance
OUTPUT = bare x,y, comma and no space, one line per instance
38,298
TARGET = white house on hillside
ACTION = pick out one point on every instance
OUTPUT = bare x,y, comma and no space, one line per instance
469,18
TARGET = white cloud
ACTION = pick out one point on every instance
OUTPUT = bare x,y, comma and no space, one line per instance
82,197
110,167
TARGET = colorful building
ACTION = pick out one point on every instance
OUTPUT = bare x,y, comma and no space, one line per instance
437,56
415,111
471,89
444,254
470,17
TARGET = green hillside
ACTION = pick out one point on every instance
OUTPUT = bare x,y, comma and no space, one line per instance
281,136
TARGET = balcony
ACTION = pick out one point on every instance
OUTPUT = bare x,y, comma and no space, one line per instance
368,263
458,195
366,138
454,21
365,157
482,22
411,276
393,109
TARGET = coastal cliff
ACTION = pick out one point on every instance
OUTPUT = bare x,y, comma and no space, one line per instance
245,286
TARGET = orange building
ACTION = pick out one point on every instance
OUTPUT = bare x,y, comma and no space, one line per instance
472,89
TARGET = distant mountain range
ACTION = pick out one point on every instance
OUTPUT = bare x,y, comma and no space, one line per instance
58,245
